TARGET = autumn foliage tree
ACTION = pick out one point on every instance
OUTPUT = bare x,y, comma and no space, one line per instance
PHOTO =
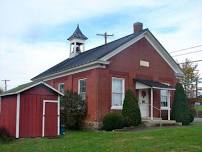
190,78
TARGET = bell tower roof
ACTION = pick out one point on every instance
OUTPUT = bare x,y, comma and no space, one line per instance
77,35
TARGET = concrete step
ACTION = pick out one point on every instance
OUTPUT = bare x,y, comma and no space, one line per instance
153,123
154,118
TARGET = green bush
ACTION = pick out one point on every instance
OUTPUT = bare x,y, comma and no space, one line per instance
181,112
74,111
131,110
113,120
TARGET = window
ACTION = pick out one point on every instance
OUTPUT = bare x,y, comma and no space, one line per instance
164,98
144,63
118,92
61,87
82,88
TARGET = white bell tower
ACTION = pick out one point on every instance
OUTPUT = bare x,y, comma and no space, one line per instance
77,42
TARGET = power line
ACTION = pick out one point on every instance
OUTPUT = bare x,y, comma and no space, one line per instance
188,53
192,61
186,48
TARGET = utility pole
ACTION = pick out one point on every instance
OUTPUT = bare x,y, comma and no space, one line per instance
105,35
5,82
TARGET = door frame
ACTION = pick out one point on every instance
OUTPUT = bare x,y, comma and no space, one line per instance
139,93
58,115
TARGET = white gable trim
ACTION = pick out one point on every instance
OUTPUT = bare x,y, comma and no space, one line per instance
47,85
164,54
122,47
161,51
41,82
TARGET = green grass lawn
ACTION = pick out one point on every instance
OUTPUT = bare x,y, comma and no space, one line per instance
198,108
179,139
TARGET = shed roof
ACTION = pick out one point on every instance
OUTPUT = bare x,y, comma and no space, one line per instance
27,86
154,84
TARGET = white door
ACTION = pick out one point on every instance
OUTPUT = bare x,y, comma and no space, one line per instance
144,102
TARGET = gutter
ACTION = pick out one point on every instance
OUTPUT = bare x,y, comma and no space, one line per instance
77,69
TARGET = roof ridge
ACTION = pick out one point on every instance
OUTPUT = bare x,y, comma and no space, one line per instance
88,56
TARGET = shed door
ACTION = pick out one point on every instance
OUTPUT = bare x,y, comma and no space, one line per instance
51,119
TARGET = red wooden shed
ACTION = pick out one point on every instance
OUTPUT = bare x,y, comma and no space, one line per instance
31,110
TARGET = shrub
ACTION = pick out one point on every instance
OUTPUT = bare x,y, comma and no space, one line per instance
181,112
131,110
4,135
113,120
74,110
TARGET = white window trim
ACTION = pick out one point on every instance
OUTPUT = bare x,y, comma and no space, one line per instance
79,84
168,100
123,90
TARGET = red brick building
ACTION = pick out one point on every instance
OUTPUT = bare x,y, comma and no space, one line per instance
102,75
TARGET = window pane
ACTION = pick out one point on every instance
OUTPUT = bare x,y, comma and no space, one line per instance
82,89
164,92
117,85
164,104
82,86
116,99
83,96
61,87
164,98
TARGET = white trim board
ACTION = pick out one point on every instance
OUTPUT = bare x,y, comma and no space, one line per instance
122,47
164,54
17,131
73,70
58,115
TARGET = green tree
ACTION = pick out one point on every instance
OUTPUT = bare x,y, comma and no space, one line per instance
131,110
74,110
190,78
181,111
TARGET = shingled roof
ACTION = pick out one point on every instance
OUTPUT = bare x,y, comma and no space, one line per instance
27,86
153,84
88,56
77,35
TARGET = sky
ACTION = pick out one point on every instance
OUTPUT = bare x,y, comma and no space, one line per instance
33,33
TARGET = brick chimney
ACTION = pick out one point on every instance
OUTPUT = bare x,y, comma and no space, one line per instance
137,27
